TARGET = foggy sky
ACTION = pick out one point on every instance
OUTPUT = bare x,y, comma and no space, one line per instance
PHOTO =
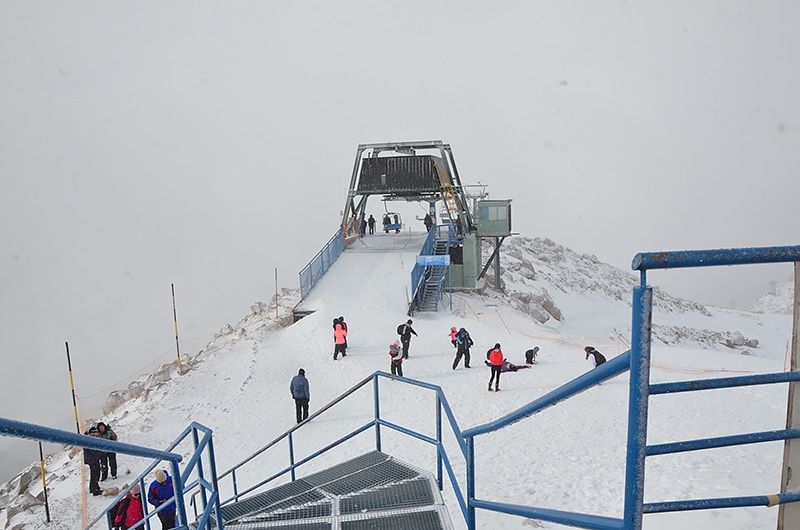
205,144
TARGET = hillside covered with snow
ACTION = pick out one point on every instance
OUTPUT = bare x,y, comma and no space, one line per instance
551,297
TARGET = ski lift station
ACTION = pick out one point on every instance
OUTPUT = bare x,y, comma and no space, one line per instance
421,172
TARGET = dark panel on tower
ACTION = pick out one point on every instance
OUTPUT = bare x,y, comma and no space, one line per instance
400,175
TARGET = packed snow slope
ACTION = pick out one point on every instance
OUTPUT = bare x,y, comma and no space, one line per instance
569,457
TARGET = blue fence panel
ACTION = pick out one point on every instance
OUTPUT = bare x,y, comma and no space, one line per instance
319,264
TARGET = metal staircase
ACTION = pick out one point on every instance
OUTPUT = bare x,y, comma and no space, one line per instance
434,278
373,491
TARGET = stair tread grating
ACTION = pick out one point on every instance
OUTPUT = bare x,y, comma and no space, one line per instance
406,494
293,493
346,468
383,473
427,520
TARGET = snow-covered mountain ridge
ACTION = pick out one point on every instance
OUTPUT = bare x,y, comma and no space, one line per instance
237,384
537,273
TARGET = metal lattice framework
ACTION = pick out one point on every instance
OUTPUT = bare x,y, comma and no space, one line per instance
411,173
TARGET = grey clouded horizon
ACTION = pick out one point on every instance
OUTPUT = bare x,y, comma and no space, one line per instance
206,144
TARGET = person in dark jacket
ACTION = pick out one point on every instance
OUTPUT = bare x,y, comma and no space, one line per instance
396,357
93,459
530,355
161,492
463,343
428,222
405,331
109,460
301,394
594,356
371,223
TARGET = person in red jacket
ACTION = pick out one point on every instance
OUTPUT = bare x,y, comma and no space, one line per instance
495,357
131,510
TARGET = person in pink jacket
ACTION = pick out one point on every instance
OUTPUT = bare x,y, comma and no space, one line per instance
340,340
453,333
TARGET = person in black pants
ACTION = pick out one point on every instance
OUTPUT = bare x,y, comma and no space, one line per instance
396,359
405,331
92,458
463,343
109,459
301,395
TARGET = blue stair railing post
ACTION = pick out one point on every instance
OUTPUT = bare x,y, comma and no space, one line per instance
439,477
291,455
638,396
375,393
470,482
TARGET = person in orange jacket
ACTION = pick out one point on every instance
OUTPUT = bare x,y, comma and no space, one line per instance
495,357
339,339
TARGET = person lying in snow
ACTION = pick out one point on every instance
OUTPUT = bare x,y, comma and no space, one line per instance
508,366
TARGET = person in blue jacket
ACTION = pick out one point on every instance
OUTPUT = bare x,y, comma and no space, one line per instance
161,492
301,394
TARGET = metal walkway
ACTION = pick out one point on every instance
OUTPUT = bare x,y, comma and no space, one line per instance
373,491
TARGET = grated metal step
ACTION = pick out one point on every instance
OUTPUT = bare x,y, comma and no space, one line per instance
371,492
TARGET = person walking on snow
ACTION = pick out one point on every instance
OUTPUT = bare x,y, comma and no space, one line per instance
339,339
405,331
371,223
463,343
453,333
396,359
301,394
495,357
344,325
594,356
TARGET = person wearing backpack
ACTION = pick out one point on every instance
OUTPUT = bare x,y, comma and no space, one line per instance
594,356
130,510
463,343
396,359
405,331
109,460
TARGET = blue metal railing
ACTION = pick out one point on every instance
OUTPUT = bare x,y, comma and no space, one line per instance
641,390
180,479
319,264
420,272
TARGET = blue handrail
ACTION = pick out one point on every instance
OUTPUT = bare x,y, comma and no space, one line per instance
321,263
640,389
204,445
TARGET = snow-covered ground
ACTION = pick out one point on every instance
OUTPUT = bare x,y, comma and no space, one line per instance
569,457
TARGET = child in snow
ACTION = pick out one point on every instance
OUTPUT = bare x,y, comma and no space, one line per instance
594,356
453,333
530,355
